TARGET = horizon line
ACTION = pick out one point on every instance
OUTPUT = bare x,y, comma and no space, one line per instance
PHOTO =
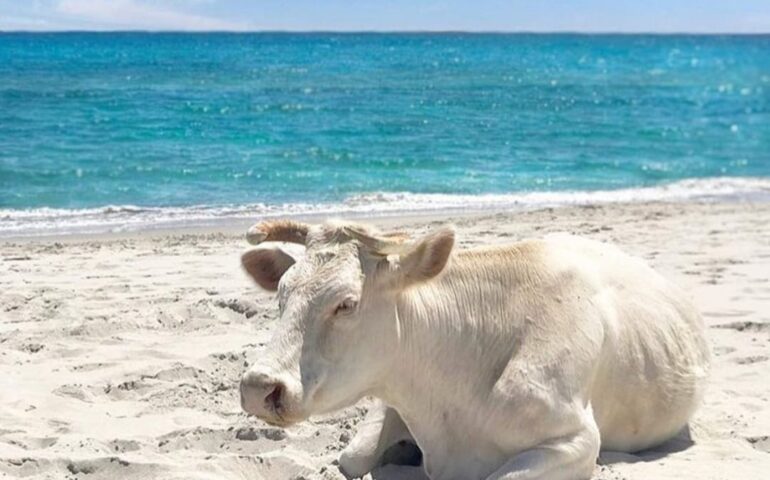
385,32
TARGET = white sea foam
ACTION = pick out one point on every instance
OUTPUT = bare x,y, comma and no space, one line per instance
120,218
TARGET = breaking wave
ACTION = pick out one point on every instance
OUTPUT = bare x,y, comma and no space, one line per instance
126,218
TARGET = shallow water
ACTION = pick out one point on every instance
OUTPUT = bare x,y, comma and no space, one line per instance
277,123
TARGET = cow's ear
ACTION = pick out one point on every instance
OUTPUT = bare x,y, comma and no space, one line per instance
267,266
426,258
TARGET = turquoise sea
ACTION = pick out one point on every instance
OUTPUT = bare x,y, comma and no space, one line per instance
111,131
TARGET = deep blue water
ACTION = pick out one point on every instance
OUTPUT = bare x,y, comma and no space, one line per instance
172,120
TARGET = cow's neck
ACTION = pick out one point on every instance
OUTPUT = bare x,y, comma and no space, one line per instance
457,334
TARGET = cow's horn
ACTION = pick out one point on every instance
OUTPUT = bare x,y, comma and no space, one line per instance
383,244
278,231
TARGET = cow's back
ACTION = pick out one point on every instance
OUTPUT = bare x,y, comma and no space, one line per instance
651,373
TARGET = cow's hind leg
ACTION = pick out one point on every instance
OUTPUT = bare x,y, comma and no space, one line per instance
382,438
571,457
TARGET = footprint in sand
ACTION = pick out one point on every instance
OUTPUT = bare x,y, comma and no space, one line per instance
761,443
750,360
745,326
248,440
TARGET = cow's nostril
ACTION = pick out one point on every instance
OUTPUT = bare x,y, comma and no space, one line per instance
273,399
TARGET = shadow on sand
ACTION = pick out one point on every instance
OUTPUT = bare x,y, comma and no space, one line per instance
681,442
403,460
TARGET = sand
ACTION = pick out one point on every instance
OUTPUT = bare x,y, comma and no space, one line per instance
120,356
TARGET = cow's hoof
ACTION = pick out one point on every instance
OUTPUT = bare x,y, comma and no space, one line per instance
355,464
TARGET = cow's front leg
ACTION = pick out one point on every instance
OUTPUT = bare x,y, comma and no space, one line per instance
376,442
572,457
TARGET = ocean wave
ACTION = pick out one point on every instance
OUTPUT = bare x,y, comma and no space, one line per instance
123,218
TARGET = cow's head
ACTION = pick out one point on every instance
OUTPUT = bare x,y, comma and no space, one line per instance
339,329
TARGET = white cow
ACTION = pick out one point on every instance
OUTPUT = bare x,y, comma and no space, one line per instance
513,362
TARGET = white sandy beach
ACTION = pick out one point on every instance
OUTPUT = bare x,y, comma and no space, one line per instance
120,356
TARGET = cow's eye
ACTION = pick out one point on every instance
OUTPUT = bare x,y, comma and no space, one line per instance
346,306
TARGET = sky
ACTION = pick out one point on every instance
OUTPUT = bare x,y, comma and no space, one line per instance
662,16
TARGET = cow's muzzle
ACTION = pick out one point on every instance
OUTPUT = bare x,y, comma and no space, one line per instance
264,396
